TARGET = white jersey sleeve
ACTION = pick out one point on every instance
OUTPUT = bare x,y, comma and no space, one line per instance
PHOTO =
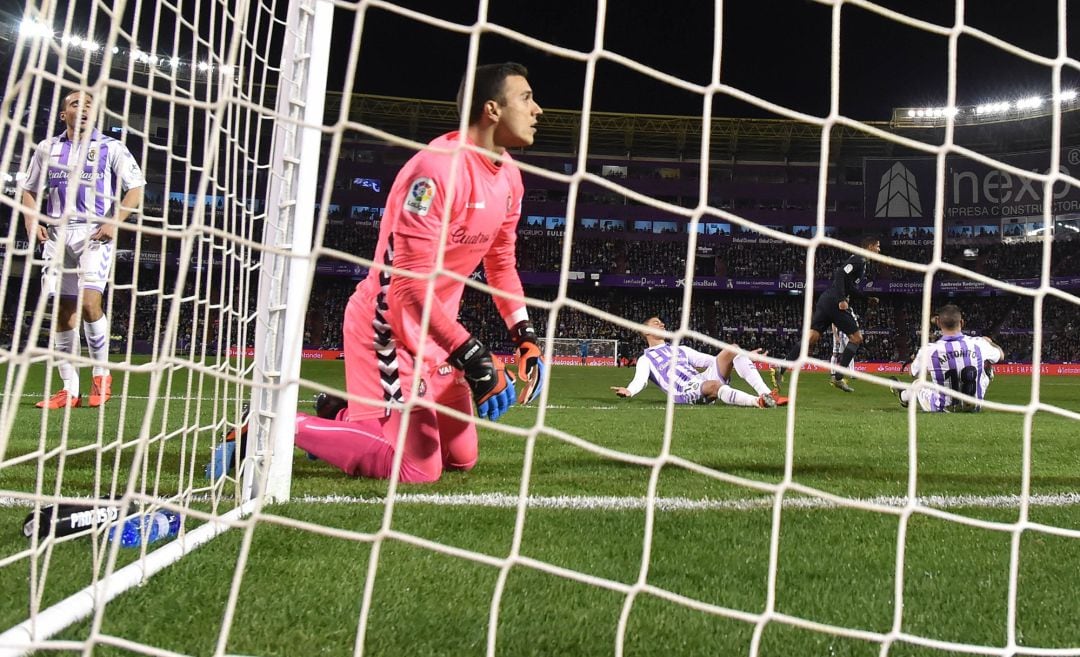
641,377
126,168
32,181
991,353
920,361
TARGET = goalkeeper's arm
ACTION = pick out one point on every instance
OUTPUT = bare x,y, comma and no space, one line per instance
492,386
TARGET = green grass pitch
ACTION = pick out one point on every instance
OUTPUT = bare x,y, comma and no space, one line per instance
691,579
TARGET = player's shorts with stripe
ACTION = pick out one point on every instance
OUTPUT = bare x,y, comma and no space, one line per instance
381,383
76,263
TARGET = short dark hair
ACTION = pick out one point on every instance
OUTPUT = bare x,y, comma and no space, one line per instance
488,85
868,240
949,316
70,91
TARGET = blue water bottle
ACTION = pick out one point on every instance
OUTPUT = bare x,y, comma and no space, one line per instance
160,524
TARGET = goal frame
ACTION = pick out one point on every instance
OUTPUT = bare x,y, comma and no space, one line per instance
570,355
285,275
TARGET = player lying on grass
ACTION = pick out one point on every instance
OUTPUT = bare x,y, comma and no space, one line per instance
676,371
955,361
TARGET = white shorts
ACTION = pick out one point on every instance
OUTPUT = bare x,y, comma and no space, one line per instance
712,373
78,263
930,400
692,388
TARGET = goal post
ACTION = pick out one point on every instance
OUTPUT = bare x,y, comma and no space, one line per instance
228,209
286,271
584,351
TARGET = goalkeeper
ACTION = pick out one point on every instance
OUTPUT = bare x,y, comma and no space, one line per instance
479,197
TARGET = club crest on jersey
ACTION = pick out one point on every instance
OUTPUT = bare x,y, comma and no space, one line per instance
421,390
419,197
91,154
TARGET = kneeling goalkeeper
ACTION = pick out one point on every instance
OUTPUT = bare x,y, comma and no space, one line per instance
480,198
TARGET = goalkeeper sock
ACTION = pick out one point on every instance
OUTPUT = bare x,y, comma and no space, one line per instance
748,372
734,397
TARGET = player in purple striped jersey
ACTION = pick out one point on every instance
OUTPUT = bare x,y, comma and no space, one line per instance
692,377
955,361
81,173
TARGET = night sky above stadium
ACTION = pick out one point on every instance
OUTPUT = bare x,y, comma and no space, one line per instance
778,50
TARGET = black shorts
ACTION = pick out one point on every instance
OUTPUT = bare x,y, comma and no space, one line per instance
827,312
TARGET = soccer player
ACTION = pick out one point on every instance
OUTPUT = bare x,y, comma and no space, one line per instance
955,361
676,371
833,307
583,351
480,196
81,172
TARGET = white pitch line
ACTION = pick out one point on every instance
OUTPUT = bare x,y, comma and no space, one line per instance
614,503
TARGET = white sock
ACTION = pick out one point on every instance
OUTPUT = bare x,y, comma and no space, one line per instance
97,341
730,395
67,342
749,373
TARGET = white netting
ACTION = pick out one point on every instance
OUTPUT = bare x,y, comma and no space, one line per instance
217,144
190,90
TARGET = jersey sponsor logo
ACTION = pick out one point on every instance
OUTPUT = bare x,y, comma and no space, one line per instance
460,236
445,369
848,268
61,174
475,205
421,193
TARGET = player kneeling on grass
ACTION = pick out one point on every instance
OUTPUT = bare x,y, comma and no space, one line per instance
480,197
676,371
955,361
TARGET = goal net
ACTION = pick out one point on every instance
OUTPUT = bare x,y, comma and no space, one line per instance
591,524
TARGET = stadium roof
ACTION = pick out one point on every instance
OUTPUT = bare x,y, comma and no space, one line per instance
654,136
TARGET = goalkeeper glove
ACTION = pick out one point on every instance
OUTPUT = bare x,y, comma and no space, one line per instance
492,386
530,361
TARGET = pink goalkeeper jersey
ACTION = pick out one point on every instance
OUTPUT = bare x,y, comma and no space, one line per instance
484,207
